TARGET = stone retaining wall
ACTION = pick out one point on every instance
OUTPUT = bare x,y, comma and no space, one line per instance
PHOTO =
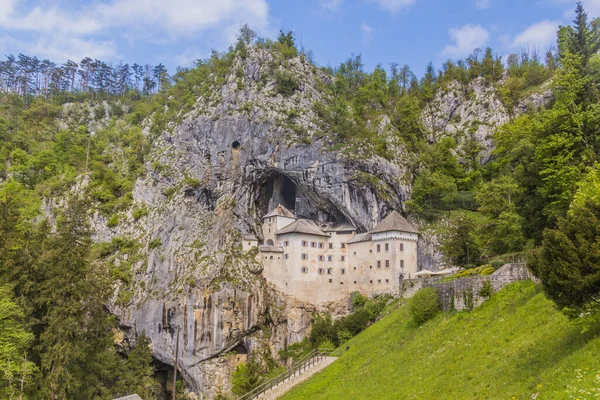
464,293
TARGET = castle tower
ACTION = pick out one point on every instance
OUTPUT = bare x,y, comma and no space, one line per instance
277,219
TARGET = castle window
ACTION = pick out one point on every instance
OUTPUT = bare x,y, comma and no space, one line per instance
387,281
378,280
329,271
304,256
343,271
331,245
355,282
321,271
331,281
387,263
304,270
271,257
343,245
370,267
341,283
286,243
249,243
401,263
370,250
313,244
401,246
304,243
378,263
379,248
286,256
354,253
387,247
329,258
355,268
321,258
343,258
321,245
371,281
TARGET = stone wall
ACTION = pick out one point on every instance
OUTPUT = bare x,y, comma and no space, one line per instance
464,293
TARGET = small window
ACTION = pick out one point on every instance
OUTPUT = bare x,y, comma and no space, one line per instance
379,248
355,268
387,263
249,243
329,258
266,257
354,253
355,282
271,257
286,256
387,281
343,271
304,270
341,283
387,247
401,246
321,258
269,230
343,245
304,256
343,258
331,281
313,244
321,245
321,271
401,263
378,280
370,267
378,263
370,281
331,245
370,250
329,271
286,243
304,243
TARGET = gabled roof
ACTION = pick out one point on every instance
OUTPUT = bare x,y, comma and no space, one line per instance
249,237
361,237
337,227
280,211
302,226
394,222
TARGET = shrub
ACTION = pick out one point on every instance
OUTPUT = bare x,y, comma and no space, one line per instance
486,290
113,221
326,345
154,243
286,83
424,305
139,212
488,270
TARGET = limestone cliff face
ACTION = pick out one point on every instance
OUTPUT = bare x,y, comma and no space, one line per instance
209,179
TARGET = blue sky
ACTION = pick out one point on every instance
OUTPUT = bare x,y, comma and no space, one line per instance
175,32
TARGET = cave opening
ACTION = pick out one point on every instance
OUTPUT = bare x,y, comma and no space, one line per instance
277,188
235,145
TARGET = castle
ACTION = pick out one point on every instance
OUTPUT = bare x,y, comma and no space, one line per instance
325,262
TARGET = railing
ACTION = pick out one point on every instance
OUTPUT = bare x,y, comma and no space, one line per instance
309,360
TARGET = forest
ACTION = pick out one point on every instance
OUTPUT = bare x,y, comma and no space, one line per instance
537,197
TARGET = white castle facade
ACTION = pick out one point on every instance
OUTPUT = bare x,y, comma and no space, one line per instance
325,262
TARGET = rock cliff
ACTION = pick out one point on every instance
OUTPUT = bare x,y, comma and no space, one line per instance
214,172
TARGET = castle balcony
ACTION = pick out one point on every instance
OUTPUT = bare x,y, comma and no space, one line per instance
270,249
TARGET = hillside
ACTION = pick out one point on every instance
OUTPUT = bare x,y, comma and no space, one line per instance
514,346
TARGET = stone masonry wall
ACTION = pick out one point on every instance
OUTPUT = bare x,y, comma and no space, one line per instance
463,294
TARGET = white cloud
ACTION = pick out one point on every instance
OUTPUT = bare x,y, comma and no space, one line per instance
483,4
331,5
66,32
466,39
394,5
367,32
539,35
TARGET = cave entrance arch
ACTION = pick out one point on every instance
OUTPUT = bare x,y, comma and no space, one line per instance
269,242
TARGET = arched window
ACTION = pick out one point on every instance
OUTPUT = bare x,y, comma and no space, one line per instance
269,242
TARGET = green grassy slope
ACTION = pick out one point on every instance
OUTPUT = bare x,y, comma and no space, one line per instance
514,345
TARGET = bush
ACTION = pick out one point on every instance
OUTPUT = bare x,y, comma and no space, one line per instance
326,345
488,270
286,83
486,290
424,305
113,221
154,243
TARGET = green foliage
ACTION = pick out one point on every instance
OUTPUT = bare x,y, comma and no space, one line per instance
486,290
459,240
154,243
286,83
246,377
424,305
530,349
567,261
